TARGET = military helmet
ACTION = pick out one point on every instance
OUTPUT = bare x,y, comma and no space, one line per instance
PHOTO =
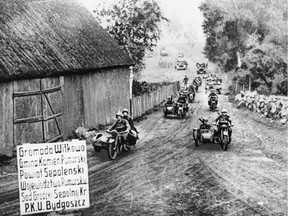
125,110
119,114
224,110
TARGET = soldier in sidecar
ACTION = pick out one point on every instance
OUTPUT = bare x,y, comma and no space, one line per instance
179,108
169,107
205,133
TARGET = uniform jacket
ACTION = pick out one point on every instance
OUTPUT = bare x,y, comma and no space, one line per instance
223,118
120,126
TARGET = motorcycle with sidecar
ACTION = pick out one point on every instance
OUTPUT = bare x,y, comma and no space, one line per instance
178,108
115,143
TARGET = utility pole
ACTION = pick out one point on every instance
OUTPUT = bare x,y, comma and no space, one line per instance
249,82
131,88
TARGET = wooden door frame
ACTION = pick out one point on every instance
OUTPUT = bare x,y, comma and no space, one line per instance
40,118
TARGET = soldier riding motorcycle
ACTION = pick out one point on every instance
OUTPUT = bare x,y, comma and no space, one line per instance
191,93
199,80
196,85
181,105
127,117
213,100
223,132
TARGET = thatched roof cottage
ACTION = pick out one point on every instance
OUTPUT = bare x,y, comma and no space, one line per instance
58,69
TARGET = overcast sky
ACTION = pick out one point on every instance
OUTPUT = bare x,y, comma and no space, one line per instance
186,11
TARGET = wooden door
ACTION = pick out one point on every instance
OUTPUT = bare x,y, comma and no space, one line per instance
37,110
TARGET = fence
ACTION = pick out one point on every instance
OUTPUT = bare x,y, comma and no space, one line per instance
143,103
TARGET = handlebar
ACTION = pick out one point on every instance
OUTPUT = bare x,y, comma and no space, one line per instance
115,131
215,124
123,132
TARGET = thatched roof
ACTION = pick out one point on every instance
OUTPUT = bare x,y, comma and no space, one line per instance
40,38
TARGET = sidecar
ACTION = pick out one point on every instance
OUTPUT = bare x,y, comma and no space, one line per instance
169,109
101,141
203,135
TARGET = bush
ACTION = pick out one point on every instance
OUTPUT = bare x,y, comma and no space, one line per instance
140,88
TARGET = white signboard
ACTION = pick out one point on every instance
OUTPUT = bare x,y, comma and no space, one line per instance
52,177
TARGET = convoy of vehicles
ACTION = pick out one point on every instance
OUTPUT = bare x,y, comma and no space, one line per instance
116,143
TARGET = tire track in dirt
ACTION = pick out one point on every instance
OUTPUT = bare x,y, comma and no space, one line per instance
261,182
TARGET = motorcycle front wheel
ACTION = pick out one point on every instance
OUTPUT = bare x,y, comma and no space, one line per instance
112,152
225,143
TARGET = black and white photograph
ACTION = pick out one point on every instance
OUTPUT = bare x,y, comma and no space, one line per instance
143,107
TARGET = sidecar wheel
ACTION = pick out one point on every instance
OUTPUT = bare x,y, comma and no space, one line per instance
201,139
112,153
97,149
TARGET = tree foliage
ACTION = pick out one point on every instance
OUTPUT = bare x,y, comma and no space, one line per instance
134,24
252,33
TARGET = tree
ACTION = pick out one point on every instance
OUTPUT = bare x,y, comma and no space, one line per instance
249,35
134,24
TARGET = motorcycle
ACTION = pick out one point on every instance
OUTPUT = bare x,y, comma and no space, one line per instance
114,144
199,80
213,103
203,135
191,97
223,138
182,109
179,109
185,93
196,85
